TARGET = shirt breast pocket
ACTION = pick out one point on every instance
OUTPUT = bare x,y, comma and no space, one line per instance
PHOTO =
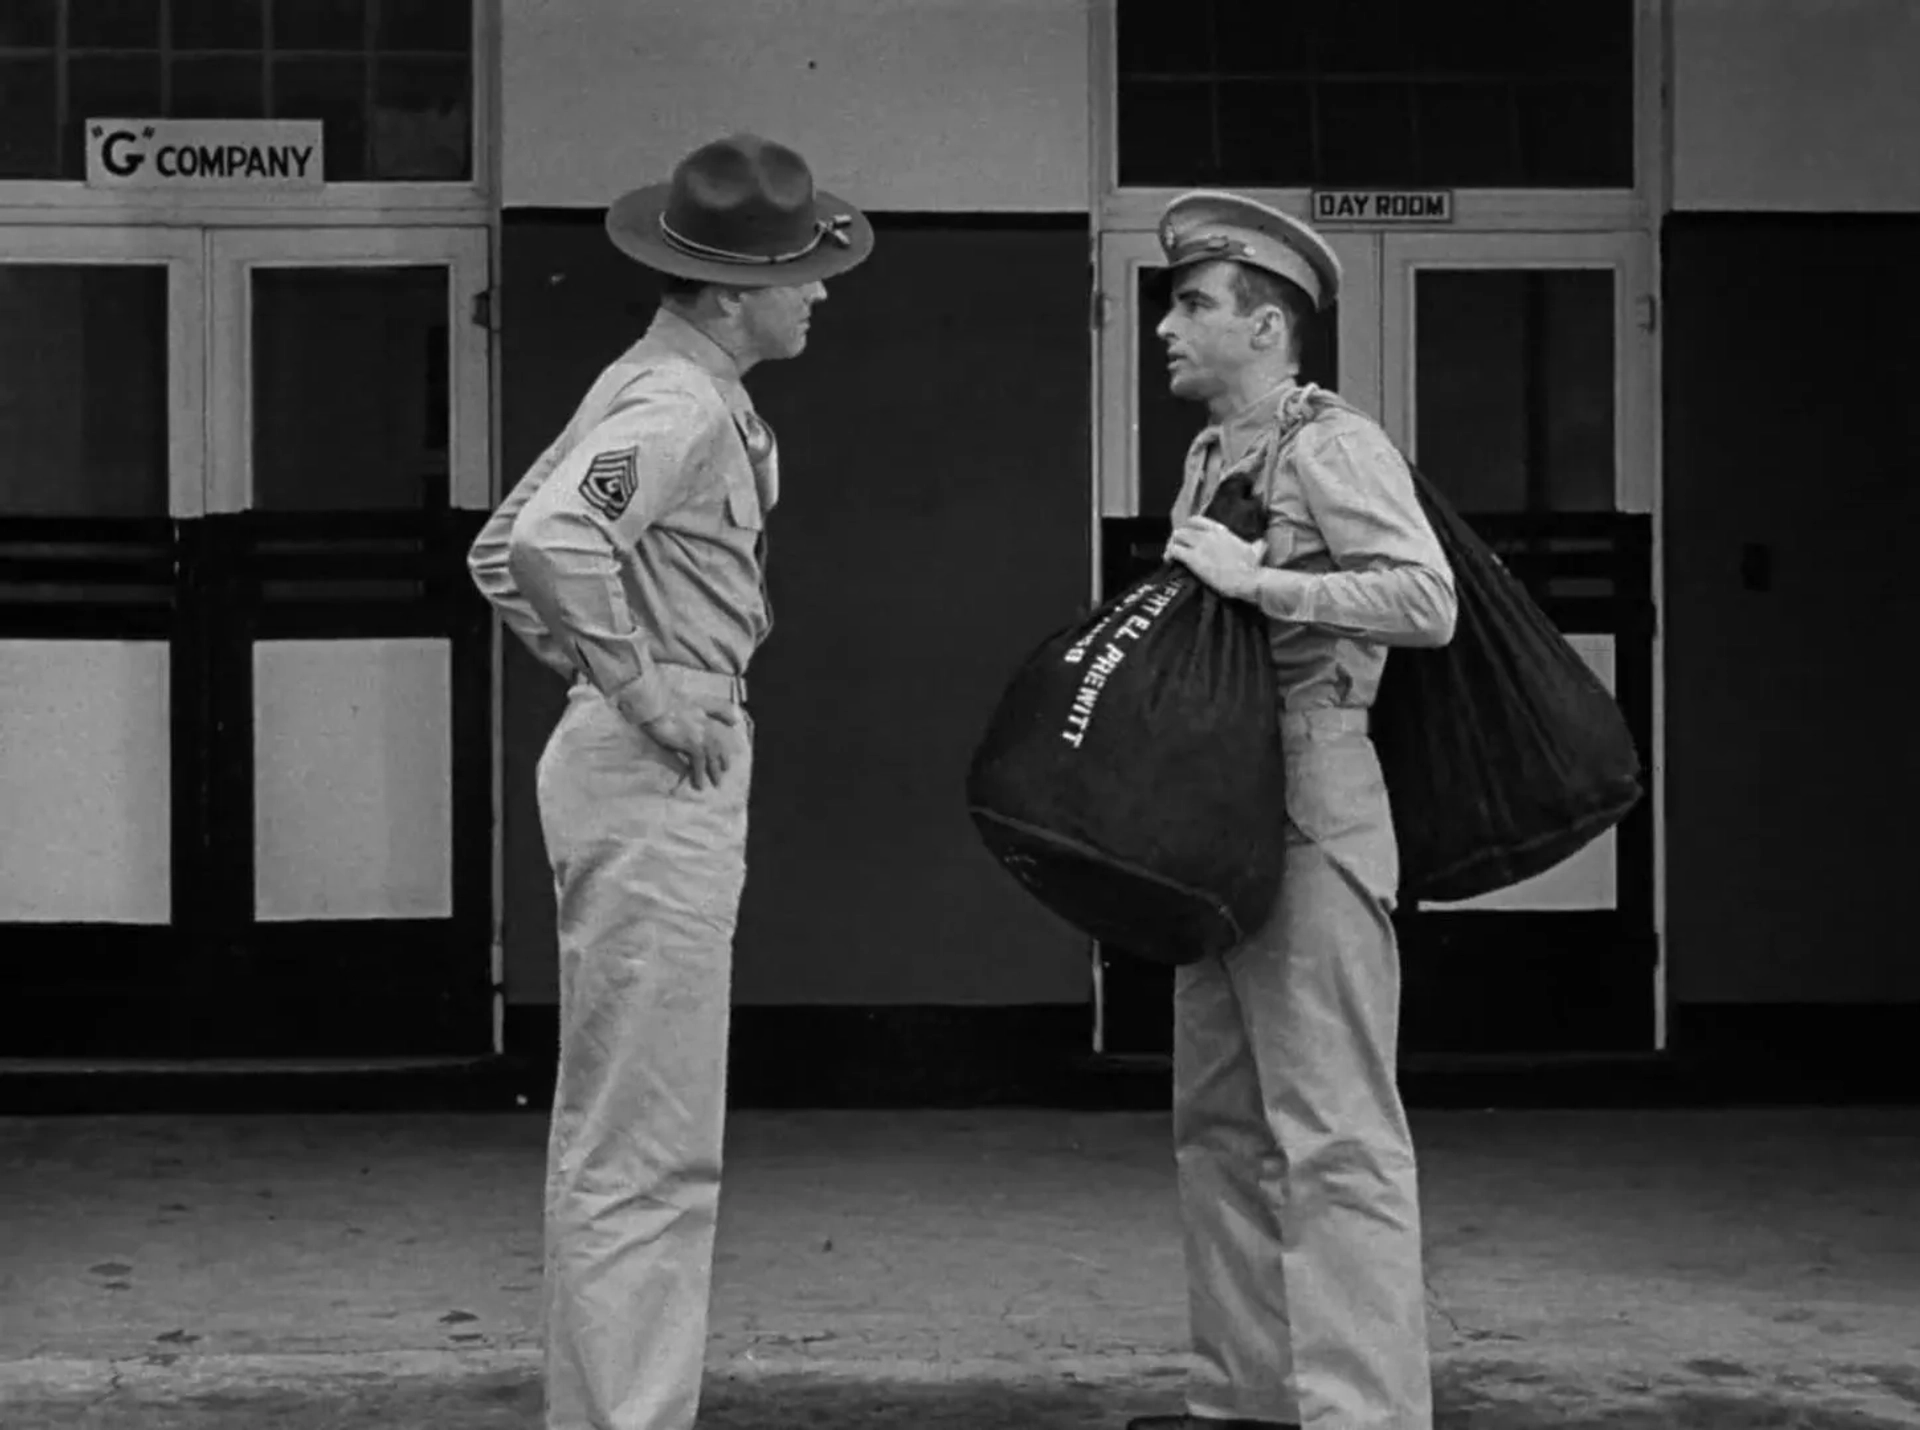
1281,540
1290,538
1290,529
743,503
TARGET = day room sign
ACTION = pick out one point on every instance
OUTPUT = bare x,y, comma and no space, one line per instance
272,155
1383,206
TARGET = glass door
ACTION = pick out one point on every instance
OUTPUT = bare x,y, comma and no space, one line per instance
349,789
102,458
245,748
1518,376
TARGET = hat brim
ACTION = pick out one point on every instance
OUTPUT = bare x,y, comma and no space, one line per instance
633,223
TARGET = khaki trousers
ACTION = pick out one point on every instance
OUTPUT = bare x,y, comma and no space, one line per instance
648,874
1296,1170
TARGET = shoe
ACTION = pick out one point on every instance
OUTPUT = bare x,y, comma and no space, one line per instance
1204,1422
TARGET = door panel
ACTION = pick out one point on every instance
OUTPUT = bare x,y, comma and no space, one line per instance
1518,376
349,656
1516,369
377,442
352,787
244,679
102,443
366,373
85,778
1513,393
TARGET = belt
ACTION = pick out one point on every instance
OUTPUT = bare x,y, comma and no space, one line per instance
1345,719
704,684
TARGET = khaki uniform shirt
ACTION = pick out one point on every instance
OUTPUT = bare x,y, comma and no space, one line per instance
638,538
1352,564
1352,567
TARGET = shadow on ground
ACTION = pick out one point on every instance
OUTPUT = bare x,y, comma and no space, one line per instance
1476,1399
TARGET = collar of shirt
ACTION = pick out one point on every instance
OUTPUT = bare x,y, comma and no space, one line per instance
674,333
1240,432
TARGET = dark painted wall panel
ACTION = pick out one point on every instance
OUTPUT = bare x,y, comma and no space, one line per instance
933,524
1792,505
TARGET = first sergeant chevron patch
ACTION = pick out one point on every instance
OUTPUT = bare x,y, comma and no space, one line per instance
610,482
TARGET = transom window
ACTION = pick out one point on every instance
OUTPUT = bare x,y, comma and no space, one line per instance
1466,94
391,80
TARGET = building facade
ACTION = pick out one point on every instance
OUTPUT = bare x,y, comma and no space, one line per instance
1626,278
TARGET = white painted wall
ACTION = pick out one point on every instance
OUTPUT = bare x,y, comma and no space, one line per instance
1796,105
928,105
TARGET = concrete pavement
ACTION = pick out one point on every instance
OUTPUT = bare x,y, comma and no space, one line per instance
1725,1268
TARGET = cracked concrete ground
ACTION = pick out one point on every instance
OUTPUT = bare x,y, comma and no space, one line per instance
932,1269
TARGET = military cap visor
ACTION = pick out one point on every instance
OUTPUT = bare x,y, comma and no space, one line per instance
1210,225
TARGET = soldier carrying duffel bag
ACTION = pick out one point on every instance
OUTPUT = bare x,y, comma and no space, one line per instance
1482,741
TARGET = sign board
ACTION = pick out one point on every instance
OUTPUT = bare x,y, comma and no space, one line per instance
233,154
1383,206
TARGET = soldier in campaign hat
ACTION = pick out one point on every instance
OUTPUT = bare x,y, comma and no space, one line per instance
631,560
1296,1169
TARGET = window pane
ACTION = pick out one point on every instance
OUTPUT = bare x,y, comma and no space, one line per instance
1577,134
1475,93
1468,135
27,23
376,443
1591,40
391,80
219,87
29,131
1168,423
113,24
1148,44
421,121
1366,134
1266,130
1501,36
106,88
1166,132
83,390
320,24
445,25
216,24
1256,37
333,91
1514,387
1356,37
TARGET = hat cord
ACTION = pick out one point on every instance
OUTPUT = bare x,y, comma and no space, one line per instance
833,230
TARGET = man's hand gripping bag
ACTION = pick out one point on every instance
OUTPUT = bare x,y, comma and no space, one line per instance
1131,777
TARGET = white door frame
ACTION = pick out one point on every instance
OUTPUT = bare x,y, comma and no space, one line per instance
180,250
232,256
1627,255
1630,255
466,251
